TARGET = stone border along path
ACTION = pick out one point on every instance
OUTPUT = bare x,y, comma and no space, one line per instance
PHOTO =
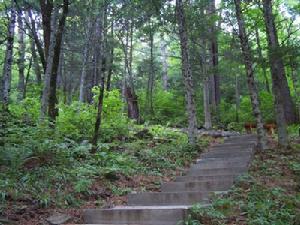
214,172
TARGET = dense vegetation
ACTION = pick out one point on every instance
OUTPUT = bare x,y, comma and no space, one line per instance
100,98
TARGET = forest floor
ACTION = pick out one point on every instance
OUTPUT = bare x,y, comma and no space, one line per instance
142,162
269,194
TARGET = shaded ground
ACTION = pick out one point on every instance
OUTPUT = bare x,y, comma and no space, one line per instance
111,188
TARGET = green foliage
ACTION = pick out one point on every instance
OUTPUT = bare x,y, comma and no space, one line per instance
169,108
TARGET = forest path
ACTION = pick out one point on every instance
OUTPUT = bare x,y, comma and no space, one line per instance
214,172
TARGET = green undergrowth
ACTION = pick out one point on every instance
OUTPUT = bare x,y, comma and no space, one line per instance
39,166
268,195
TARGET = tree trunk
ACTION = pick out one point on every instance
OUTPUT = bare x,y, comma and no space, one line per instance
129,91
111,57
83,77
207,114
246,51
207,85
6,79
187,73
52,110
164,60
237,99
277,67
261,59
27,79
46,11
36,65
46,89
103,56
37,42
151,78
21,60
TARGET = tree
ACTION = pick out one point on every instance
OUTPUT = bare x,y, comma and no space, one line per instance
6,79
21,60
284,106
246,50
279,79
186,72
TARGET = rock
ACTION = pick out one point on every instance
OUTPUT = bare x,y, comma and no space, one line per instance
58,218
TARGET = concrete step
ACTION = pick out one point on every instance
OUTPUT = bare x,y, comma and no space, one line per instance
205,178
214,185
153,215
231,149
226,154
231,159
219,164
168,198
233,146
217,171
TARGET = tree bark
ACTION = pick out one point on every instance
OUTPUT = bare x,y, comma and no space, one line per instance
246,51
111,57
36,65
103,56
261,59
164,60
47,76
27,78
52,110
6,79
151,78
35,37
187,73
237,99
21,60
83,77
277,66
207,114
46,11
128,87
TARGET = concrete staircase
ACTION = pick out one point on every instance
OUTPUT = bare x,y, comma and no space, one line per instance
215,171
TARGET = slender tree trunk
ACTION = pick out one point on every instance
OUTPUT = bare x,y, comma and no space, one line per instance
36,65
102,79
207,114
277,67
21,60
215,94
83,78
187,73
283,101
46,89
99,112
27,79
52,110
207,85
261,59
111,57
37,42
6,79
149,95
129,91
237,99
250,76
164,60
46,11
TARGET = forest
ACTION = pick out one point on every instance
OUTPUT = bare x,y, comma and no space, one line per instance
103,98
